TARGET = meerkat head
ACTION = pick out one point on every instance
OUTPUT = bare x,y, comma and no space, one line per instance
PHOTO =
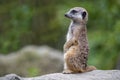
77,14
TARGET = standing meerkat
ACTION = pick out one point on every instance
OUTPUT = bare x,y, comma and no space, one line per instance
76,46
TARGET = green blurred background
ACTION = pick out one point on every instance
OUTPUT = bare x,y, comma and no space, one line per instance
39,22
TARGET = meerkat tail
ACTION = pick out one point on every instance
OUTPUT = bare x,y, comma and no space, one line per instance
90,68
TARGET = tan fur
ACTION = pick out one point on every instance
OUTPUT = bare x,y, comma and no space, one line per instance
76,46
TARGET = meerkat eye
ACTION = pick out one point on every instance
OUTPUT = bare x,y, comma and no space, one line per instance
84,14
74,11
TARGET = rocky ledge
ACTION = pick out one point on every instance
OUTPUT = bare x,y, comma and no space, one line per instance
93,75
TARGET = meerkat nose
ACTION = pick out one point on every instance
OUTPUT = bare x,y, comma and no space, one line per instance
66,15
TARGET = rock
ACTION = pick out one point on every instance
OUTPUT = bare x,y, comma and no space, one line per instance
93,75
12,77
32,61
118,63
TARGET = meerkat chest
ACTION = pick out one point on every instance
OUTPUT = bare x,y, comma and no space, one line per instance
71,32
69,36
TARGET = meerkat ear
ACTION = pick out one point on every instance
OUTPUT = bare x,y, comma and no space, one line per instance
84,14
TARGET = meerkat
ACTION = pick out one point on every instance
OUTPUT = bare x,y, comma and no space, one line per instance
76,46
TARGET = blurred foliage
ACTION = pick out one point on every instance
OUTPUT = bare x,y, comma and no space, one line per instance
33,71
27,22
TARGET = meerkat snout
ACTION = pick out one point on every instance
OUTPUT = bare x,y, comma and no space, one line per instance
77,14
66,15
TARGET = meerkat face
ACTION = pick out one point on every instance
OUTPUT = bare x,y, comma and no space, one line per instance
77,14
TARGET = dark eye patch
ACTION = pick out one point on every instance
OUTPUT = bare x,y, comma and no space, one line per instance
74,11
84,14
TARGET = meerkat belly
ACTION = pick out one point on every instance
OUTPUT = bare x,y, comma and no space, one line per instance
72,59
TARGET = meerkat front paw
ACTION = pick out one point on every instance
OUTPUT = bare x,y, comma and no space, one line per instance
67,72
75,42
